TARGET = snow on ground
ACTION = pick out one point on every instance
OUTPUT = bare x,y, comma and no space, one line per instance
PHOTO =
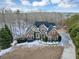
2,52
17,31
37,43
30,44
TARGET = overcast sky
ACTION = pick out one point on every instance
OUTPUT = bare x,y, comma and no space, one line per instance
43,5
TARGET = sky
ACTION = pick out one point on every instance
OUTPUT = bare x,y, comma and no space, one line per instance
41,5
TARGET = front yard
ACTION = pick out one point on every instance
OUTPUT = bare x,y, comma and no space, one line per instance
46,52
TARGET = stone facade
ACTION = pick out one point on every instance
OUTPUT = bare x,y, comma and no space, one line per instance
42,32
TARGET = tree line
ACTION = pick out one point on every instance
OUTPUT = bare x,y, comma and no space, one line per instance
73,29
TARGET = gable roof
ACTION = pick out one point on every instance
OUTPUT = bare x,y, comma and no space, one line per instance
42,25
30,28
51,27
47,24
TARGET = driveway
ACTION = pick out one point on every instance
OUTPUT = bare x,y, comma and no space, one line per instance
69,48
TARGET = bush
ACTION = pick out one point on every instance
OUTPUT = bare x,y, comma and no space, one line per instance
77,57
77,40
59,38
45,39
5,37
21,40
78,51
73,26
73,30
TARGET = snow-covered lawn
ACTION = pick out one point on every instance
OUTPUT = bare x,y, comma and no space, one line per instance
2,52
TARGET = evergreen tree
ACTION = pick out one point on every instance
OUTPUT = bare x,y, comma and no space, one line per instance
5,37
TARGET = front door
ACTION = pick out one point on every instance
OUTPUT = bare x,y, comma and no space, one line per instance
37,35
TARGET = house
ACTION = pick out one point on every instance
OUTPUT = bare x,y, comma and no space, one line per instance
42,30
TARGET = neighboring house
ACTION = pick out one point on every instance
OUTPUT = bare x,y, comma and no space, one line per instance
42,30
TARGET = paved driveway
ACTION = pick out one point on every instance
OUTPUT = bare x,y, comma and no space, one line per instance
69,48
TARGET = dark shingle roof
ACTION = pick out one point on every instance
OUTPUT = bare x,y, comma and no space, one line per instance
47,24
50,28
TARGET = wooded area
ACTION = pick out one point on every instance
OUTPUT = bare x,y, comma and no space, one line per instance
73,29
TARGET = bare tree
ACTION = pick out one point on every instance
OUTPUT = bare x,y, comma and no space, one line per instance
18,19
3,16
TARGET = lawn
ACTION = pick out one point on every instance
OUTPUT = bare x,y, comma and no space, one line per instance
47,52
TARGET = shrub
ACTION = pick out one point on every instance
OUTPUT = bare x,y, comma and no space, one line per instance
73,30
5,37
59,38
71,27
77,40
78,51
21,40
45,39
